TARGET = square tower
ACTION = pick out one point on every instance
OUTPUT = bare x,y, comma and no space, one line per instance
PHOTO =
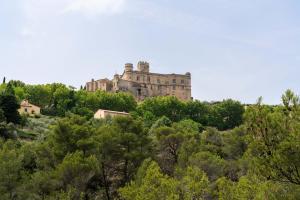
143,67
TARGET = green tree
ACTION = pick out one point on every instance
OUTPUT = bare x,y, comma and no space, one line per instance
194,183
226,114
76,171
154,185
16,83
38,95
10,171
198,112
211,164
274,147
168,106
2,116
163,121
211,140
10,106
71,134
169,141
9,90
121,147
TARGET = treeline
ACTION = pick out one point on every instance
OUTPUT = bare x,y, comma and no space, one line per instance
162,151
58,99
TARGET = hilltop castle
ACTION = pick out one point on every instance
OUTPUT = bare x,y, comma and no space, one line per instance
142,83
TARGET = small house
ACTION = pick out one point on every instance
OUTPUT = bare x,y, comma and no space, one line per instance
102,114
28,108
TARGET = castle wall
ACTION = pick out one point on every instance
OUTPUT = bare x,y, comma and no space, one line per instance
102,84
162,84
142,83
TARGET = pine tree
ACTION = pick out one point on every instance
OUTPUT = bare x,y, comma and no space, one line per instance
9,89
10,106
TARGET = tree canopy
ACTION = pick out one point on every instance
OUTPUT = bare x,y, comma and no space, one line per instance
165,148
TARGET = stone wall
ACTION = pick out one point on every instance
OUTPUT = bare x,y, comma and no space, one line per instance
142,83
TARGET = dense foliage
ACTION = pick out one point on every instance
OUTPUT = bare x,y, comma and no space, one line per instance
167,149
58,99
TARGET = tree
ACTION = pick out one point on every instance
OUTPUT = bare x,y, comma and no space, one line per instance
226,114
212,141
121,147
76,171
2,116
169,106
71,134
198,112
211,164
10,106
251,187
16,83
4,80
274,149
9,90
194,183
10,171
153,185
39,95
163,121
170,140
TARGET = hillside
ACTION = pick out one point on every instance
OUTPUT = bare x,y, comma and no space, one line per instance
165,149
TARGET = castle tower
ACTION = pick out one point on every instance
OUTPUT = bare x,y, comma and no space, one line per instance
128,67
143,67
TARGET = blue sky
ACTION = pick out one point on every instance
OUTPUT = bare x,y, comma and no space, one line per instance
239,49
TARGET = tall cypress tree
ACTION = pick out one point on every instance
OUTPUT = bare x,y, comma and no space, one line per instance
9,89
10,105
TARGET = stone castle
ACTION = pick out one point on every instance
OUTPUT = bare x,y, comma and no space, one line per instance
142,83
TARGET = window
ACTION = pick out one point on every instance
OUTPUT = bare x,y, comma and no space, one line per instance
174,87
158,81
149,79
182,81
174,81
167,82
26,110
182,87
137,78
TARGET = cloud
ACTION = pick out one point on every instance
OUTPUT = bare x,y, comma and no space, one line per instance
96,7
27,32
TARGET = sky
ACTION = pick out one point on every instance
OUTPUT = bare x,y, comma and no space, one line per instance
239,49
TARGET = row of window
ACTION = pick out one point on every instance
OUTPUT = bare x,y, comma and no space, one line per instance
174,87
158,80
26,110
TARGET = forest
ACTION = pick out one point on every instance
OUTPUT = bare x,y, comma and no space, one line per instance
166,149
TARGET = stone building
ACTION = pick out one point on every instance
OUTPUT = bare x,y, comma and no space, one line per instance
102,114
28,108
142,83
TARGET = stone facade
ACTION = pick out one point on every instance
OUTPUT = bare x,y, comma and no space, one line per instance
28,108
142,83
102,114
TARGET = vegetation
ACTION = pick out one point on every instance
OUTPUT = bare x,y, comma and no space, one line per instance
166,149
